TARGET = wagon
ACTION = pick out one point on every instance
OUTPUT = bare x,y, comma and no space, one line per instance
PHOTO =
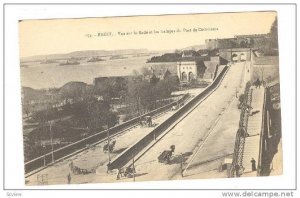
146,121
165,156
109,146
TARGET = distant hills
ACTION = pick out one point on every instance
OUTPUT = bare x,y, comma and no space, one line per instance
194,47
84,53
100,53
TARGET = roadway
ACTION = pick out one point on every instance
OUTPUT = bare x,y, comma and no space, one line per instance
95,157
211,126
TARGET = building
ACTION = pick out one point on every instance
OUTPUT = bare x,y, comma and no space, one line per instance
235,54
239,41
192,67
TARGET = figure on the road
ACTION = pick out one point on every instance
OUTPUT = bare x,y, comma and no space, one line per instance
253,162
118,173
109,146
237,170
243,132
69,178
257,83
71,165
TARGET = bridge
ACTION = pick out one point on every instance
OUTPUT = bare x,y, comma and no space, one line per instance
205,132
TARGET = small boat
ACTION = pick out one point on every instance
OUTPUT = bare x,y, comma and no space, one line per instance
69,63
117,57
95,59
48,61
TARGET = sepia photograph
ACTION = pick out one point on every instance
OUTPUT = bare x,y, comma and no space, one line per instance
150,98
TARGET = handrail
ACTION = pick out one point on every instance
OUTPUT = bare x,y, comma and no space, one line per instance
262,133
244,121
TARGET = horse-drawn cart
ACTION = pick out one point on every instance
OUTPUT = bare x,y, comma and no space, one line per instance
109,146
146,121
76,170
165,156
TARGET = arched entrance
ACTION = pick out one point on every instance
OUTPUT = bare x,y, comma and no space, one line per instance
235,57
191,76
243,57
184,76
243,44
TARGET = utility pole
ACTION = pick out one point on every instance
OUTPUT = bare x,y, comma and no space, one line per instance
108,141
51,135
44,149
108,145
133,168
181,164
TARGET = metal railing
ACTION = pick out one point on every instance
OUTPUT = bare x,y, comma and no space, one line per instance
264,125
241,132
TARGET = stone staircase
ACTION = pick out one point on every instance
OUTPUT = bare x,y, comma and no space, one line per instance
252,142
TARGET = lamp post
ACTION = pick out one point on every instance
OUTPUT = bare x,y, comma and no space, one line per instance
133,168
44,149
181,164
108,145
108,140
51,139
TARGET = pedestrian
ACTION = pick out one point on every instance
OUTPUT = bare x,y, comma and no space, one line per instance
69,178
71,165
118,173
237,170
253,162
257,83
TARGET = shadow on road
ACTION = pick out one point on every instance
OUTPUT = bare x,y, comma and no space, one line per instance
119,150
177,159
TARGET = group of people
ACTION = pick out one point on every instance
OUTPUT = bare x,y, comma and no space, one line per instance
129,172
258,83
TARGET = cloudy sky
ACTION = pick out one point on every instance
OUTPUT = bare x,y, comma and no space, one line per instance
41,37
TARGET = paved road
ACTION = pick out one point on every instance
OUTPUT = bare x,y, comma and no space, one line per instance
193,130
95,157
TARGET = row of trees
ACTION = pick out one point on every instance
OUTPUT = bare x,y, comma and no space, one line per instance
145,94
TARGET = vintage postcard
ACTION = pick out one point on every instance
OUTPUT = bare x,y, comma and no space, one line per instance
149,98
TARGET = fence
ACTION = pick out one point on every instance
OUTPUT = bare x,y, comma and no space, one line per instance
264,128
242,131
127,155
83,144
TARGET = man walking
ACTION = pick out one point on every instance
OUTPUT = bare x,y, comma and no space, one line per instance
253,162
237,170
69,178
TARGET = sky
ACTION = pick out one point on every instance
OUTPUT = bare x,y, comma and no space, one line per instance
42,37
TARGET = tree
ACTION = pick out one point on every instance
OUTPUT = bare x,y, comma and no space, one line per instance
165,87
274,34
177,51
135,72
146,71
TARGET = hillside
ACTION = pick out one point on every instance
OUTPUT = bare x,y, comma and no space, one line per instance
83,53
